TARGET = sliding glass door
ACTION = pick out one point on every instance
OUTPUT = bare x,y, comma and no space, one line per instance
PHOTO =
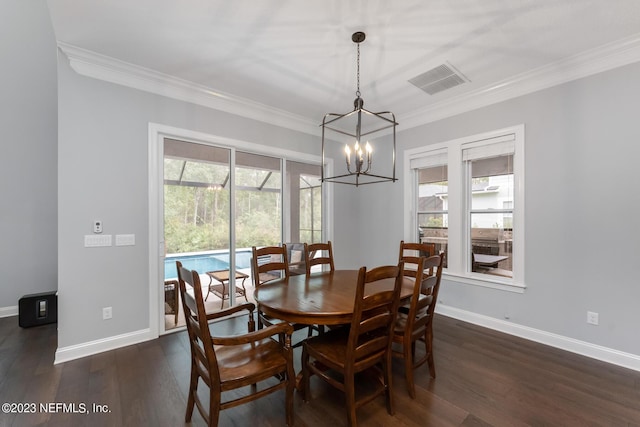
258,209
258,197
220,201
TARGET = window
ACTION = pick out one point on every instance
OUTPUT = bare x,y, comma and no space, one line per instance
432,201
467,197
490,194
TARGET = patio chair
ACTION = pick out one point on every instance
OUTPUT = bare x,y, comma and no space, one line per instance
171,299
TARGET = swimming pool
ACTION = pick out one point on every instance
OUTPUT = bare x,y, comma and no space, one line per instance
205,261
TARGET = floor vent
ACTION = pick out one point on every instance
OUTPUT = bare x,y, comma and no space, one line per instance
438,79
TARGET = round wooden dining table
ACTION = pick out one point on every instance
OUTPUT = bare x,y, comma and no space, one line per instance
323,298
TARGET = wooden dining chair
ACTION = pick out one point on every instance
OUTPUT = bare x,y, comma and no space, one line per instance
364,346
275,266
295,257
417,323
311,257
269,263
411,252
229,363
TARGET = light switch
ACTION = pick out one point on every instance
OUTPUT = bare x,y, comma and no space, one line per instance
94,241
125,239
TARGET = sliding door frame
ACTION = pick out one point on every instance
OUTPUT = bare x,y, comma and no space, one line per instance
157,134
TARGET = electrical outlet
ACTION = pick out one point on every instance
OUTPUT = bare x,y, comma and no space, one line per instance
97,226
107,313
592,318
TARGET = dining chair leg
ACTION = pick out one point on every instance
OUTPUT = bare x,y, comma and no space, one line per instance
429,349
193,384
350,397
408,367
387,384
304,387
214,409
291,385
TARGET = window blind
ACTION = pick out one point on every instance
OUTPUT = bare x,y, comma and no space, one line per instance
493,147
429,159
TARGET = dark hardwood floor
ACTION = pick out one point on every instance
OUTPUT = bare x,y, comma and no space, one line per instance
484,378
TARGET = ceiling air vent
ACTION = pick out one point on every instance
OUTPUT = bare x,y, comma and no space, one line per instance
440,78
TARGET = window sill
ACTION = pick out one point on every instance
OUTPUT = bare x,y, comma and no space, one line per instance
492,282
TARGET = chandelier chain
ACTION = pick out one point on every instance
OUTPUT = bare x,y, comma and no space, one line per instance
358,72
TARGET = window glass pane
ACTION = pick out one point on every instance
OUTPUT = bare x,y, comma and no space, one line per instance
256,179
492,183
433,229
211,174
196,206
173,169
305,202
258,201
433,198
492,188
316,235
491,247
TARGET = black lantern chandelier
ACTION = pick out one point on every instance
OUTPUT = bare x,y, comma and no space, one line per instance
359,156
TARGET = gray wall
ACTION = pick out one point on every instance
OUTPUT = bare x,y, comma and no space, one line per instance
103,174
28,191
582,145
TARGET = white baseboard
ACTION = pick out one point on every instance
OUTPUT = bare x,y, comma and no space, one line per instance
72,352
626,360
605,354
9,311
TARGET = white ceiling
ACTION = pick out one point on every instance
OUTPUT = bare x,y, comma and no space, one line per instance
298,57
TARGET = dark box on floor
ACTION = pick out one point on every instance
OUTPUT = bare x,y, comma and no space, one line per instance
38,309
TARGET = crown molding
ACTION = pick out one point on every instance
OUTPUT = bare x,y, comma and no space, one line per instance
604,58
607,57
102,67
